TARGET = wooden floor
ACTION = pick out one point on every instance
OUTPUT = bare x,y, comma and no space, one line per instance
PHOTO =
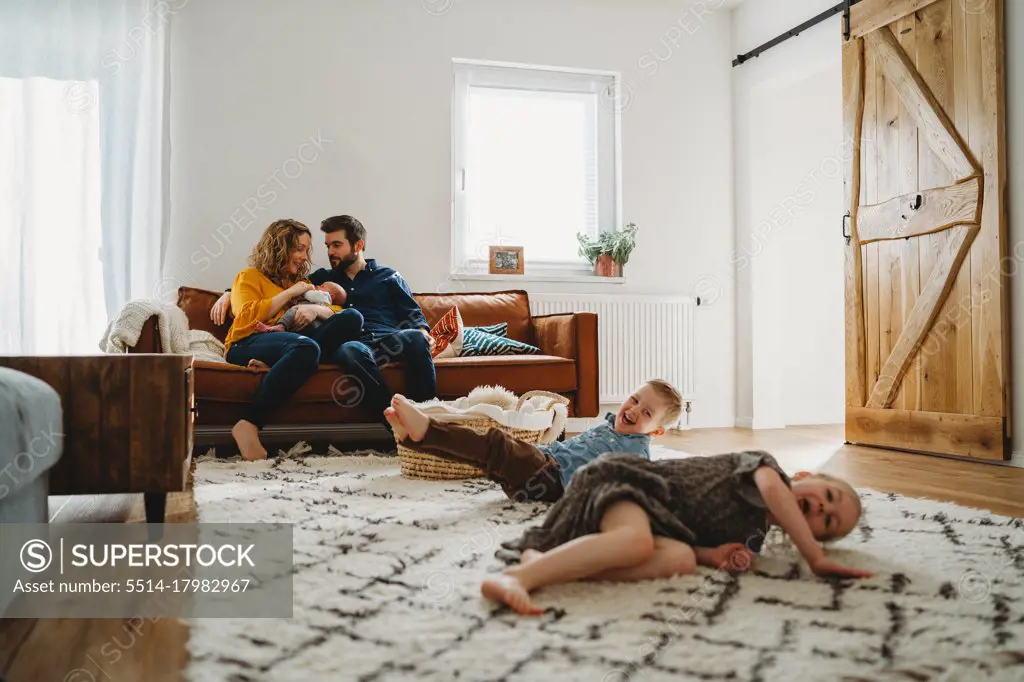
111,651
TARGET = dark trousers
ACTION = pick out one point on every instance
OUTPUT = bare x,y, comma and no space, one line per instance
522,470
361,361
292,358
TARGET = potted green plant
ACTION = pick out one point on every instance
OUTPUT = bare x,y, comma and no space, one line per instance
608,252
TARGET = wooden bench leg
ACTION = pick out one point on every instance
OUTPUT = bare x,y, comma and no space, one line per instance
156,505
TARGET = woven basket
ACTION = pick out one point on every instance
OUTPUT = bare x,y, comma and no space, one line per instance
421,465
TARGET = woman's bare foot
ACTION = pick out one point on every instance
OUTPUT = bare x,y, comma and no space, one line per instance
506,589
414,422
247,437
257,364
396,423
529,555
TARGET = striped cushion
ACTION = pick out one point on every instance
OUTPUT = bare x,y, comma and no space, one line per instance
478,342
500,329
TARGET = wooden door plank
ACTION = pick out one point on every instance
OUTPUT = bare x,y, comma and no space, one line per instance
873,136
853,123
888,123
945,433
935,65
991,342
909,395
934,126
871,15
961,295
921,318
940,210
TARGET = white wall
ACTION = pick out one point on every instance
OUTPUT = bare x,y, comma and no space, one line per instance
252,80
789,199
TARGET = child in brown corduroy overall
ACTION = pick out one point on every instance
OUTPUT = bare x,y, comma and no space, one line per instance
540,472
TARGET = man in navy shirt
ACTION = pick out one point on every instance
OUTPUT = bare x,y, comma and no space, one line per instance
394,329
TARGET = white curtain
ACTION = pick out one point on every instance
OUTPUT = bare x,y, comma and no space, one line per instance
83,166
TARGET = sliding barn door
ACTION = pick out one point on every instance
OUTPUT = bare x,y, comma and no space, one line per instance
927,333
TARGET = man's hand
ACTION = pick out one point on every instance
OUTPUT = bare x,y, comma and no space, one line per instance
221,309
826,568
304,314
430,339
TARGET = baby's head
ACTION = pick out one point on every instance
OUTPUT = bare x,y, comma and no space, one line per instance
336,291
649,409
830,505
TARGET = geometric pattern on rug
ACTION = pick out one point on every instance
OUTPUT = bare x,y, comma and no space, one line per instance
387,573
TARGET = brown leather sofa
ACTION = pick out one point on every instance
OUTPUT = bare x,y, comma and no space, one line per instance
321,411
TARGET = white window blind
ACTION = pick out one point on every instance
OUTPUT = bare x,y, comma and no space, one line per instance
535,163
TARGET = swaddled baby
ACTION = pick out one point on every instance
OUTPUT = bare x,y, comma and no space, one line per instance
327,294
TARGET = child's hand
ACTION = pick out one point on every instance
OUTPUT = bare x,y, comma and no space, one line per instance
826,568
733,557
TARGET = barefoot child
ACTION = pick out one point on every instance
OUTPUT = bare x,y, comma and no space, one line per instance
528,472
625,519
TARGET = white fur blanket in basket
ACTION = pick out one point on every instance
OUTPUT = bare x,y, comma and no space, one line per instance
536,413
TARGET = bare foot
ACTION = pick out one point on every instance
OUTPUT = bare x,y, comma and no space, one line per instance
257,364
413,421
530,555
247,436
509,591
396,423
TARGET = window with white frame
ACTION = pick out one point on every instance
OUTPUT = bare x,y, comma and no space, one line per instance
535,161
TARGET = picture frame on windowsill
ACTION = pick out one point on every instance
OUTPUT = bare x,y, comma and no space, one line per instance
506,260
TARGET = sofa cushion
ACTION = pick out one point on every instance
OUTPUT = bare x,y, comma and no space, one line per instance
477,342
479,310
447,335
197,304
456,377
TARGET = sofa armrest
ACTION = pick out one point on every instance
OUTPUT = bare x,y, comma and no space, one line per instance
574,335
149,338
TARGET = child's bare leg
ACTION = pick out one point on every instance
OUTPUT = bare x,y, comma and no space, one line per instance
624,540
670,558
414,423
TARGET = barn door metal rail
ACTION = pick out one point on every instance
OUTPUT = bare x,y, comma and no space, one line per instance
843,7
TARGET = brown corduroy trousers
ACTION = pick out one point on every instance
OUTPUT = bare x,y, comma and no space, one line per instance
522,471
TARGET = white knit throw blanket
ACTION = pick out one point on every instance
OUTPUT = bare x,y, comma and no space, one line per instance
175,336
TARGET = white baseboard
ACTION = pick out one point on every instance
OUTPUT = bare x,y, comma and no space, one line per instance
744,422
1017,459
581,424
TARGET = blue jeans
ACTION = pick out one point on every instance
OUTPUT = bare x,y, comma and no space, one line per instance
362,360
292,358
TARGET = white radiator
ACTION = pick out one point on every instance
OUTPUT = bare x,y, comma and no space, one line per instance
639,338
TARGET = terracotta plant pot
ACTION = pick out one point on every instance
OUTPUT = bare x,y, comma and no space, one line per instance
604,266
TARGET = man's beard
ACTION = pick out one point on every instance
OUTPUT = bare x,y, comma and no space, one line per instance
342,263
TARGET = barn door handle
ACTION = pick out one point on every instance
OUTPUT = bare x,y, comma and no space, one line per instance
846,235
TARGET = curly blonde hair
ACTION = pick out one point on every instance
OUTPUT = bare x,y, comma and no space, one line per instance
271,254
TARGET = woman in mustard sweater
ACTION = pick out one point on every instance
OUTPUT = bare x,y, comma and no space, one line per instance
261,293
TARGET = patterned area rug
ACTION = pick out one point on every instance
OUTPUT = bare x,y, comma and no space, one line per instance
387,573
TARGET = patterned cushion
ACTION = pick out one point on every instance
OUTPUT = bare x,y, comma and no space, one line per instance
478,342
448,335
500,329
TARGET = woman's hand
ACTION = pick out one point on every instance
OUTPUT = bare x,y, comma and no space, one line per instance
299,288
221,309
826,568
304,314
